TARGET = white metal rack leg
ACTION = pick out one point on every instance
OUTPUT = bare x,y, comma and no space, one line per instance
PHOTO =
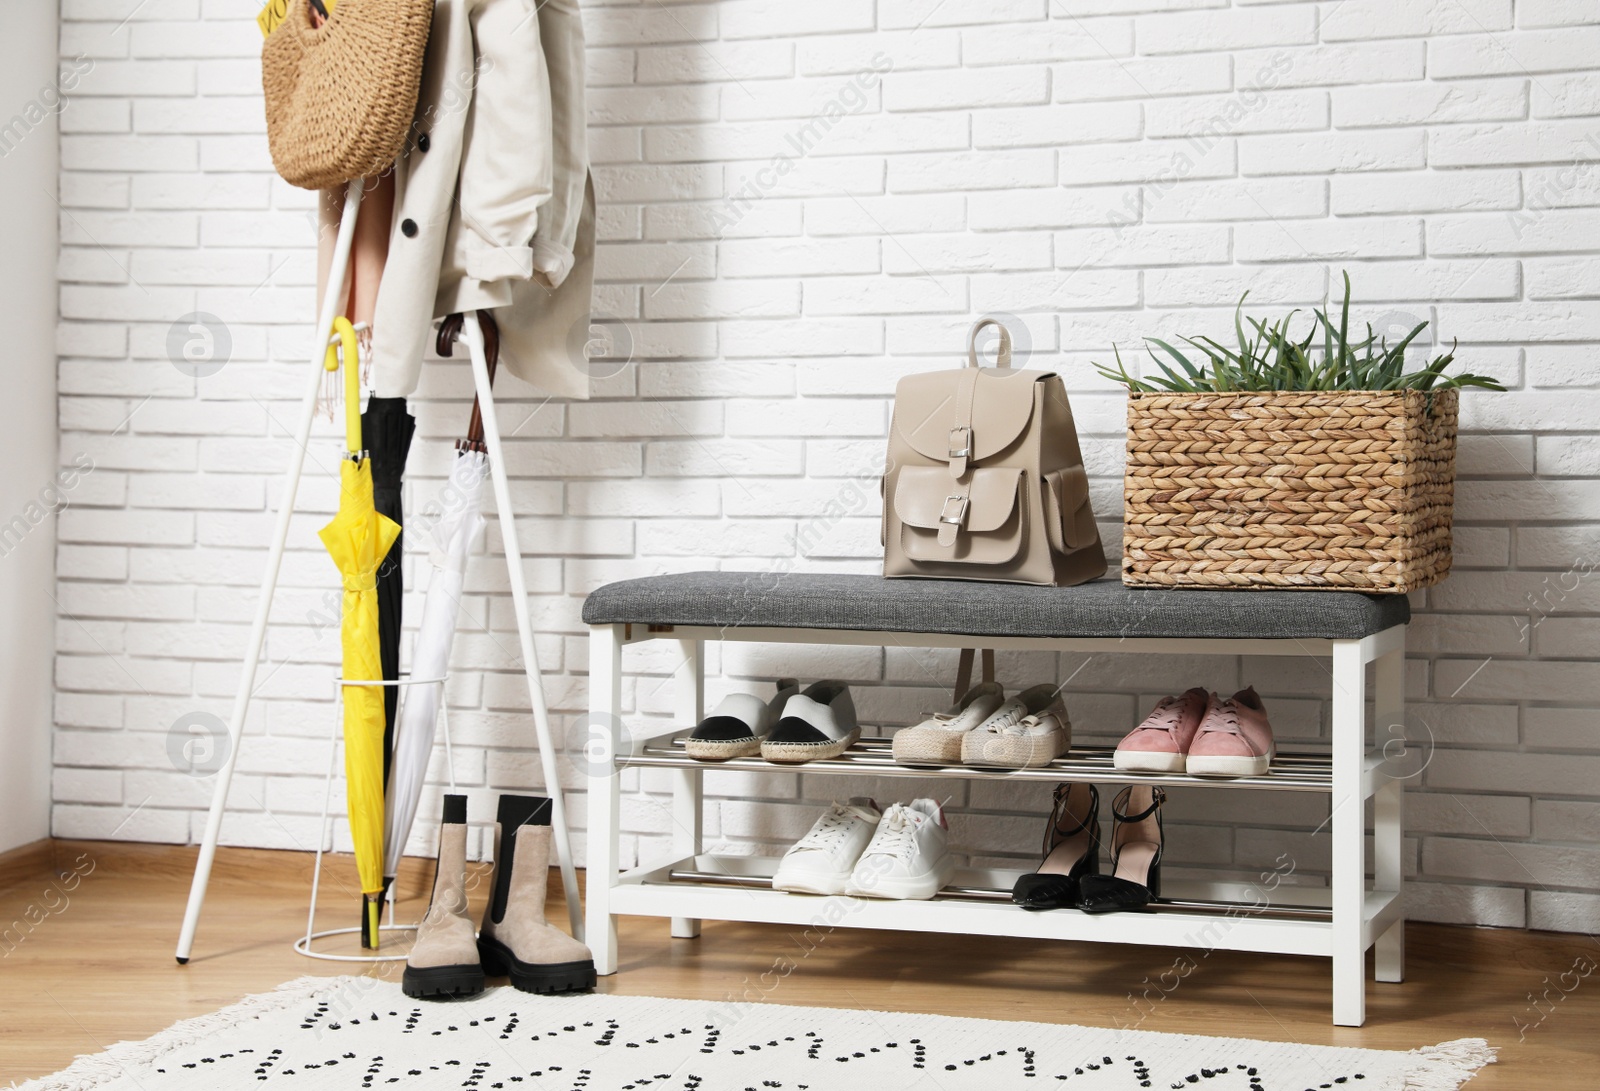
472,332
1338,923
269,578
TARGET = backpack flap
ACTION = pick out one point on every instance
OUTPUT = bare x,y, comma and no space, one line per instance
966,416
976,521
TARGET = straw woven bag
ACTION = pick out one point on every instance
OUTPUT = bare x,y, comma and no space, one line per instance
1337,490
340,97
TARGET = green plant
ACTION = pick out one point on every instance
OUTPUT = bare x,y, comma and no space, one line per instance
1272,359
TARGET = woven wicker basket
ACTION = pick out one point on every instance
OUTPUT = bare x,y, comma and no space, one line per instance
1335,490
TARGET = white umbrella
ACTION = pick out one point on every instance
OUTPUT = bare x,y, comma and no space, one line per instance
455,535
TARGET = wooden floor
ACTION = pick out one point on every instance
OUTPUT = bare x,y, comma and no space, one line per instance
97,967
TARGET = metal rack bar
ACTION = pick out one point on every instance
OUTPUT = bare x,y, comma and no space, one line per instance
988,894
872,756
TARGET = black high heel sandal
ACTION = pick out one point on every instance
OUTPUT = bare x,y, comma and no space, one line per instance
1135,879
1055,884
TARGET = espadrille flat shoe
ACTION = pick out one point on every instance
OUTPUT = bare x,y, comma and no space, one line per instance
819,722
737,726
1029,730
937,739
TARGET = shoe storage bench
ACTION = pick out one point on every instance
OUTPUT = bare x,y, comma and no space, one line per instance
1339,922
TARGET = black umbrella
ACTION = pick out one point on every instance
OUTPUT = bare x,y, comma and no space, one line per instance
386,431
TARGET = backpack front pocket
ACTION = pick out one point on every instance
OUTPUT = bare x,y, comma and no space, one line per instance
979,520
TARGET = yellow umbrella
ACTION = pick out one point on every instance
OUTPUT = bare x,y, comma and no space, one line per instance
358,539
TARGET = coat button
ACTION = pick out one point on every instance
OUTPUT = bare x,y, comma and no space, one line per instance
423,142
408,228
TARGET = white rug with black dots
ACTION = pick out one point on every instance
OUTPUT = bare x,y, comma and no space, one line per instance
360,1032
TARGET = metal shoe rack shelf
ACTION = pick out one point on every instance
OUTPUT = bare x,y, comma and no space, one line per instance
1339,922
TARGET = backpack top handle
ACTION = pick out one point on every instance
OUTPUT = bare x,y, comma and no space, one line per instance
1002,357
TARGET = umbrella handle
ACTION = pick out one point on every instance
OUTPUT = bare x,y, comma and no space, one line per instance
346,333
444,344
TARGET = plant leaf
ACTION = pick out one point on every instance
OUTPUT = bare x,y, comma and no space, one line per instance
1183,360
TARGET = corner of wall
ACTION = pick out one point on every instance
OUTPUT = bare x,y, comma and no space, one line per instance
30,102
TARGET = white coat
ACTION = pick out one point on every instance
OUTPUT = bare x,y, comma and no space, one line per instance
494,208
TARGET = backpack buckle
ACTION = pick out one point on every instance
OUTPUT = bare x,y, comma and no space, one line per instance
961,442
960,514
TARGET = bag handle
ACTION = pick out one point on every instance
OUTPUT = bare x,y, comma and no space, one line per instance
1002,357
964,671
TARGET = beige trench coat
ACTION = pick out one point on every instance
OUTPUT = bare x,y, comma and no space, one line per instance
494,208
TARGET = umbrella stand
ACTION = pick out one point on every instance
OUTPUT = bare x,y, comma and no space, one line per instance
303,944
269,578
472,333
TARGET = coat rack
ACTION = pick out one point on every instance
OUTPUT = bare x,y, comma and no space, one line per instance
472,334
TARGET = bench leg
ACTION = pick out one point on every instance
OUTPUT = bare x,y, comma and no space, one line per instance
687,808
605,792
1348,822
1388,865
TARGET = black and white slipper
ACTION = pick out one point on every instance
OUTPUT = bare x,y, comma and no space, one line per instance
737,725
818,723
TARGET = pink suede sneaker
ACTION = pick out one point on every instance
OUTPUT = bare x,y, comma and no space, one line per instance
1234,740
1159,745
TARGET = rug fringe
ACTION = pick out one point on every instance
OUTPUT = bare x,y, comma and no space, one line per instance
96,1069
1448,1065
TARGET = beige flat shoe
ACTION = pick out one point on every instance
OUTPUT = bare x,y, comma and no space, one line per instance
937,739
1029,730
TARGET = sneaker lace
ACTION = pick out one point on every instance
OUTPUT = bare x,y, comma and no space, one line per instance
1226,719
1164,717
1022,726
895,834
1009,719
829,832
949,715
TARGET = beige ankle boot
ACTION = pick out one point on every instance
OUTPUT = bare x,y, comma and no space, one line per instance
444,959
516,940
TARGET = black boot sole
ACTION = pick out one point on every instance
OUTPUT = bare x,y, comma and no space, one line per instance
442,982
530,977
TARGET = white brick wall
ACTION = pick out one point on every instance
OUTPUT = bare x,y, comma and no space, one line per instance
1103,169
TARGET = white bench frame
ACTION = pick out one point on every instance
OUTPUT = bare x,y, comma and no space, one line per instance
1338,922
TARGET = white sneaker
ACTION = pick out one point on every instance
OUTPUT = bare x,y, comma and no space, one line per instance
909,856
937,739
821,861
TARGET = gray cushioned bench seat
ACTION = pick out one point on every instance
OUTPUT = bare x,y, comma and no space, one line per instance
1105,608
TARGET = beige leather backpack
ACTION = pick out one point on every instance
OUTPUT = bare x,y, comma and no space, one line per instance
985,479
